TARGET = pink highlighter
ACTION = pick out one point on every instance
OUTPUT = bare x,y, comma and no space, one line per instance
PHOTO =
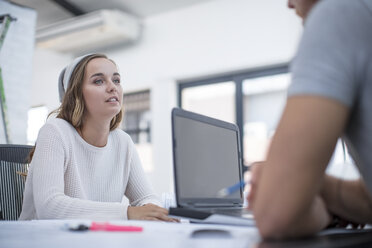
114,228
105,226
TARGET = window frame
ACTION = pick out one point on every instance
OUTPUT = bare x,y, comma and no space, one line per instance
237,78
137,130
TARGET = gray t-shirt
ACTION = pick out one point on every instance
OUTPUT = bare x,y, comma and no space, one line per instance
334,60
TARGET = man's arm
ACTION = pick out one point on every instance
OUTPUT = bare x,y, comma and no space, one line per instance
287,202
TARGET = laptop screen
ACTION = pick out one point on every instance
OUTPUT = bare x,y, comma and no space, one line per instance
206,154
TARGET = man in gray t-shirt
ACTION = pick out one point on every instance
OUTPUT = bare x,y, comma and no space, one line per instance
334,60
330,97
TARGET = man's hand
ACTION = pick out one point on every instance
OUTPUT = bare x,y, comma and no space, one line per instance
256,171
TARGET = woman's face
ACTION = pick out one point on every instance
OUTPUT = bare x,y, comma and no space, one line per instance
102,91
302,7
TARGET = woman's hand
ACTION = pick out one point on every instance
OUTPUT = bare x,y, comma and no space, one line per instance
149,212
256,171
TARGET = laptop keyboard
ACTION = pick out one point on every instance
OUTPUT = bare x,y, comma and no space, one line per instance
239,212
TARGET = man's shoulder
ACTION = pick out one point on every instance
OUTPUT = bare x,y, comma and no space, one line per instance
339,22
340,7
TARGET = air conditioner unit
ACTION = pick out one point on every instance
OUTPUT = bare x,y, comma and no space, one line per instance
99,29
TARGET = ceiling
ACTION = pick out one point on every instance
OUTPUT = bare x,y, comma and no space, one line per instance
50,11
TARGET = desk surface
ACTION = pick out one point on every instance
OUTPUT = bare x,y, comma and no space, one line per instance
55,234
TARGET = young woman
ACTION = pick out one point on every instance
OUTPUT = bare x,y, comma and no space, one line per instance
329,98
83,164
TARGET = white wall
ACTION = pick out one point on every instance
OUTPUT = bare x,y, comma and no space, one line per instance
47,66
201,40
16,69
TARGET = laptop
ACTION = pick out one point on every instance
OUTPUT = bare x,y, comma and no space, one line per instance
206,159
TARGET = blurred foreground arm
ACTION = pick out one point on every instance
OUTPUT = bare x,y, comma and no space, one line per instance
286,200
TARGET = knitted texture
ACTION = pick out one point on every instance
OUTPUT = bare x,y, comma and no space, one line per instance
71,179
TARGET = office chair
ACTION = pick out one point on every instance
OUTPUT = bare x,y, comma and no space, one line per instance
13,169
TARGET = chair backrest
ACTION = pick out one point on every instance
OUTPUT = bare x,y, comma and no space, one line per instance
13,163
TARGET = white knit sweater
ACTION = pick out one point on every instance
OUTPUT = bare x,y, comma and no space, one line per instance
69,178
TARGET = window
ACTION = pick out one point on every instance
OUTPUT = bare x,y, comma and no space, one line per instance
252,99
36,119
137,123
215,100
136,120
263,102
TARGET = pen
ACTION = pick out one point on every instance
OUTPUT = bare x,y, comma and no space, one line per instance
231,189
95,226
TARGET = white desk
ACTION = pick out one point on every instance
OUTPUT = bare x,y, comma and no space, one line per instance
54,234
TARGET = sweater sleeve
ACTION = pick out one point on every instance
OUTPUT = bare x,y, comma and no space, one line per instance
48,184
139,190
